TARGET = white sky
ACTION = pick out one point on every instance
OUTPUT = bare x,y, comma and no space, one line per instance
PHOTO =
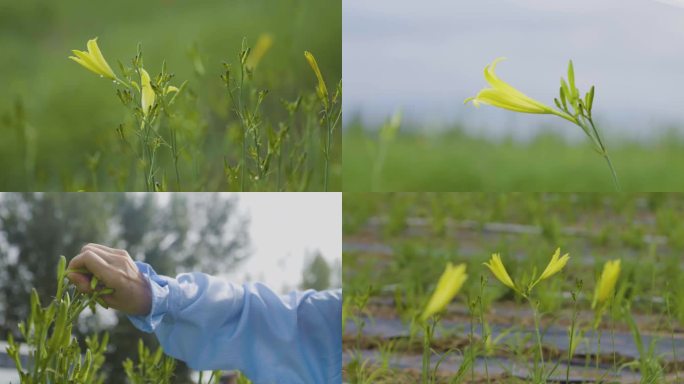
284,228
426,57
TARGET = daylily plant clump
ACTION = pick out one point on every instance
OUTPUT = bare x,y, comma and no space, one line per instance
152,98
570,106
55,354
566,301
94,61
453,278
292,154
555,265
331,111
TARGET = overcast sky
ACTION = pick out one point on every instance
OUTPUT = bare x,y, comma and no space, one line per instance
284,228
427,57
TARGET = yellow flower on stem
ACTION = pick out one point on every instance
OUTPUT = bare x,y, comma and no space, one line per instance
449,284
321,89
147,93
555,265
606,284
503,95
496,266
93,60
262,46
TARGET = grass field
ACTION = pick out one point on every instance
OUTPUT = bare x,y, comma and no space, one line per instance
397,245
455,161
60,121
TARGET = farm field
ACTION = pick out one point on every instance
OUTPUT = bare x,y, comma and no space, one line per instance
457,161
235,103
569,326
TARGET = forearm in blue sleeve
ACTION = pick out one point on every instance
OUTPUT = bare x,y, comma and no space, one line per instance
211,323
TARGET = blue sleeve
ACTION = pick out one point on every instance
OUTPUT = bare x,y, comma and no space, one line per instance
212,324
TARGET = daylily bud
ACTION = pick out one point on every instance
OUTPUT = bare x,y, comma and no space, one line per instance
555,265
606,284
147,93
449,284
260,48
321,89
496,266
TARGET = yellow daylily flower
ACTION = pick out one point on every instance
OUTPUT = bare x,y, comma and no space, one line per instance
449,284
503,95
496,266
147,93
606,284
555,265
321,89
262,46
93,60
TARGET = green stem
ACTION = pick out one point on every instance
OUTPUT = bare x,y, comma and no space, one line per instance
599,145
672,336
538,334
485,333
598,350
147,150
377,167
471,336
427,336
612,172
244,129
280,165
174,149
572,339
604,153
327,148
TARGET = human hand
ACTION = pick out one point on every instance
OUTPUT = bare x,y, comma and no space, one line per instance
114,269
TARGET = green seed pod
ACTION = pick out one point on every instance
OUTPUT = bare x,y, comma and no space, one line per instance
107,291
61,266
102,303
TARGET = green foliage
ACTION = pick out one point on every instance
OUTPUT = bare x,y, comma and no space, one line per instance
89,141
205,232
316,274
458,161
402,260
151,368
55,355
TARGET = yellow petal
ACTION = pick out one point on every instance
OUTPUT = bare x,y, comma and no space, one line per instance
496,266
147,93
262,46
496,83
321,89
85,61
449,284
96,54
509,90
503,95
555,265
498,99
606,284
170,89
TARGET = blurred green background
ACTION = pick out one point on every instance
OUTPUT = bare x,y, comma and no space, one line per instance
71,114
456,160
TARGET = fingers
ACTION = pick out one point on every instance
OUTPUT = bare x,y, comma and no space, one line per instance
92,262
102,249
81,281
